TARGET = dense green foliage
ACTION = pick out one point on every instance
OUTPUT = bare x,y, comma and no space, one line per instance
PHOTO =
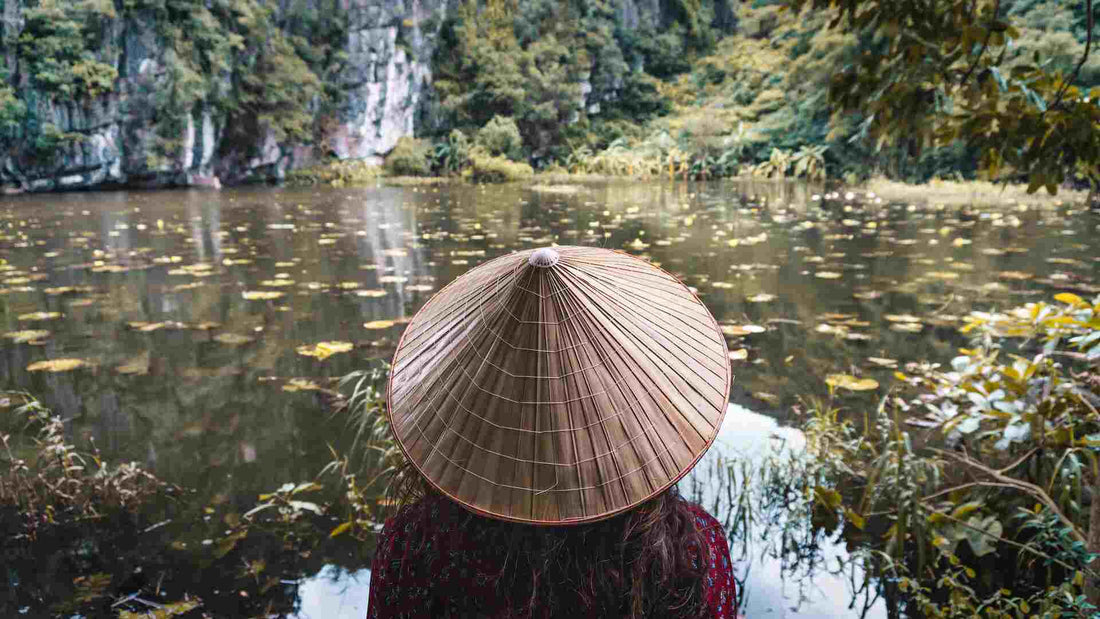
534,61
409,158
1007,79
772,88
58,44
977,480
277,68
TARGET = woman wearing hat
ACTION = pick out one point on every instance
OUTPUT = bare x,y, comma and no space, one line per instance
547,402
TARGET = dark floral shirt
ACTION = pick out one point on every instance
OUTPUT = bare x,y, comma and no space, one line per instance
451,559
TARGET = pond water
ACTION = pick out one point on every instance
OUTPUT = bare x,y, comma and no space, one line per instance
190,313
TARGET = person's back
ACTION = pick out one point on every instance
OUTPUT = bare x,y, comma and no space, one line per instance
668,558
547,402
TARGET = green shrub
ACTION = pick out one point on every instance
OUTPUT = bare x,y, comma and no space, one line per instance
334,174
410,157
500,137
452,155
486,168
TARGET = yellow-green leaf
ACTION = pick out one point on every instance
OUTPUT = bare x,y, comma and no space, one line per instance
342,527
1069,298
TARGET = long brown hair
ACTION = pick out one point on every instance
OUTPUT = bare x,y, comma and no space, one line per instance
648,562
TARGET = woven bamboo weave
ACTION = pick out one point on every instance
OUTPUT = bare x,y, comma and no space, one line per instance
560,385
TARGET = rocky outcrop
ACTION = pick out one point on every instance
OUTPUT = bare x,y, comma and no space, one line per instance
388,73
112,139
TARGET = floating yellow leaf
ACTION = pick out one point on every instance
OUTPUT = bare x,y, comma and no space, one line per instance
901,318
349,285
827,275
734,330
372,293
420,288
763,297
907,327
40,316
324,350
943,274
57,365
262,295
392,279
232,339
739,355
764,396
301,384
379,324
275,283
884,362
847,381
139,365
28,335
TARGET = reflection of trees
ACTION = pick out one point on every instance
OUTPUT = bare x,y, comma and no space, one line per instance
771,526
389,227
99,567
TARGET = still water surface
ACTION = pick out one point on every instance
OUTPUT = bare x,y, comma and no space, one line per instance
192,310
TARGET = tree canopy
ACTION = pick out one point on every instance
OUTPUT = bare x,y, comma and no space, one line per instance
933,73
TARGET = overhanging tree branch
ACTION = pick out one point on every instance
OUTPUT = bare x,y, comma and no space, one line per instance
985,44
1090,19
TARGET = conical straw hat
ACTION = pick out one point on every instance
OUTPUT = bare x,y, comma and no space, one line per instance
559,385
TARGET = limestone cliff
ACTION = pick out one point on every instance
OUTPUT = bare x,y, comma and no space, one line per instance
387,72
106,126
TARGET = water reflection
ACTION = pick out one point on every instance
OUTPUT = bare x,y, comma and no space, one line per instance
334,593
781,568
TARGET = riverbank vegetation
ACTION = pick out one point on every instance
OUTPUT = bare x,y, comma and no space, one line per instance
1000,90
974,485
120,542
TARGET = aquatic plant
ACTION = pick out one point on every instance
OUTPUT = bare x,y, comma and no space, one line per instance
1004,466
49,482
